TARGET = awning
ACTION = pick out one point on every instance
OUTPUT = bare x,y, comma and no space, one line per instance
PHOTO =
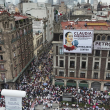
59,83
83,84
22,70
71,84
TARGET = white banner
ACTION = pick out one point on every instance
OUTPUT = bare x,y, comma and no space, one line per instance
13,103
102,45
78,41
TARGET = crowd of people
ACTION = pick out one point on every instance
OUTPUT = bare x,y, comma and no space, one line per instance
39,88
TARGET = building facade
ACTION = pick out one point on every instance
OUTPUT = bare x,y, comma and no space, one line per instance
16,46
38,43
82,70
41,11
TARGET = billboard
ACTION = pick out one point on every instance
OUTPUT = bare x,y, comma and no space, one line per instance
78,41
102,45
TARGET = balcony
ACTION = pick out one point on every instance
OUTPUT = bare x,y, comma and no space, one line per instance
3,70
2,61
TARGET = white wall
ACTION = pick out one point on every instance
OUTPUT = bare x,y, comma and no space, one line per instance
41,10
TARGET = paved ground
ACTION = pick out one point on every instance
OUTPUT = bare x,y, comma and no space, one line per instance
40,107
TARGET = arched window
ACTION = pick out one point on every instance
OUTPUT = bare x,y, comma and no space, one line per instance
108,37
98,37
103,37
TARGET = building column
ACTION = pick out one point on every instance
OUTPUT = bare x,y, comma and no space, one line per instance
102,86
65,82
53,81
77,84
89,83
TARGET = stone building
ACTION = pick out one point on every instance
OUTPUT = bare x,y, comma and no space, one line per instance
77,69
38,43
16,46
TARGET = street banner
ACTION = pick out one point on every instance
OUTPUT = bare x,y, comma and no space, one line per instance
13,103
78,41
102,45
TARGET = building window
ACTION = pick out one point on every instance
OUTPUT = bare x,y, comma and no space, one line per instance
71,74
96,65
14,54
72,64
1,57
61,37
0,48
108,76
95,75
103,37
1,67
83,64
61,63
109,53
97,53
72,53
2,76
61,73
98,37
84,54
108,38
82,75
61,50
108,66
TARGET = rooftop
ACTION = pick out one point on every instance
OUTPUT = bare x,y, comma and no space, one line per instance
96,25
17,15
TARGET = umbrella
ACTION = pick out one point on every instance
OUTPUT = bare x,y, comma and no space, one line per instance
45,84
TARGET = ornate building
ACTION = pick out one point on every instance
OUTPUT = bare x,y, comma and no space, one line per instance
16,46
82,70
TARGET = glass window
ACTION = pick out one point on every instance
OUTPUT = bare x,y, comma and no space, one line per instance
61,63
97,53
61,37
72,64
108,38
103,37
1,67
109,53
83,64
82,75
61,73
1,57
61,50
108,66
98,37
108,76
0,48
71,74
95,75
2,76
96,65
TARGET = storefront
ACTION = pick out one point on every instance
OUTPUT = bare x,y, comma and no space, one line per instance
96,86
59,82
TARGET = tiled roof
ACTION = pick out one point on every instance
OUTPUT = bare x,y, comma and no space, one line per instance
81,25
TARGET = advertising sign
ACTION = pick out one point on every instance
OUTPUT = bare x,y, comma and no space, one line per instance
13,103
78,41
102,45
